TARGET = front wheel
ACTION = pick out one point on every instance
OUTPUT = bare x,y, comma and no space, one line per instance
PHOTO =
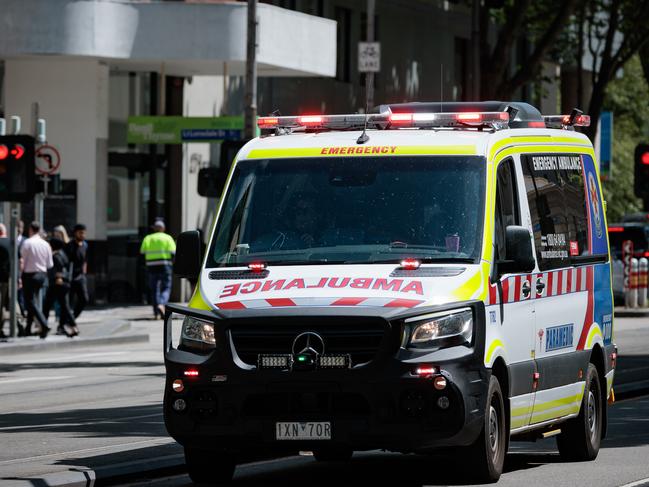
487,454
209,467
580,437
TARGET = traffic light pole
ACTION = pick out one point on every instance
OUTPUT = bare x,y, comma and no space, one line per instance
15,264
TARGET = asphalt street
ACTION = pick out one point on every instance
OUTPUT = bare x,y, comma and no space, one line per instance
97,407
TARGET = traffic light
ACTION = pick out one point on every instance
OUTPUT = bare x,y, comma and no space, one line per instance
17,176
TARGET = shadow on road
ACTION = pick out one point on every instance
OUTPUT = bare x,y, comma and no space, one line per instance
130,421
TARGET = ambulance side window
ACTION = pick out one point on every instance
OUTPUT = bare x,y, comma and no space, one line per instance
556,196
506,204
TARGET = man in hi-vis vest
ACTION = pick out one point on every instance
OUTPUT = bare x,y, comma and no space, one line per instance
159,249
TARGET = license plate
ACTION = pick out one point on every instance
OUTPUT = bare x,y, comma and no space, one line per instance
310,430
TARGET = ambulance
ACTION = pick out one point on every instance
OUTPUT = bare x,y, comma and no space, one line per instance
429,277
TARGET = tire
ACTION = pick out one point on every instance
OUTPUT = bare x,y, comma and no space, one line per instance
580,437
209,466
333,455
487,454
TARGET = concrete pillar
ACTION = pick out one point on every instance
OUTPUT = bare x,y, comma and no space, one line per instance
73,98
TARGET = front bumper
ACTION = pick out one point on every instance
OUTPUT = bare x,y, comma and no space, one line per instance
383,405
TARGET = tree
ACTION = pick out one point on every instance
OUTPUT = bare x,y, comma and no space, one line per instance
614,31
523,23
628,98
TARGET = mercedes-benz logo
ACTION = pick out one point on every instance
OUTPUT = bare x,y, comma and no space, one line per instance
308,342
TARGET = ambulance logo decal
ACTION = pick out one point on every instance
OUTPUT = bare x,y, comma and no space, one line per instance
594,203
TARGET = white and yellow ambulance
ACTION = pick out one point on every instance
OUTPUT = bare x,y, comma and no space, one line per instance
427,276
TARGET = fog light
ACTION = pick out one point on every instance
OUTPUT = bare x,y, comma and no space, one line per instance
274,361
443,402
439,382
178,385
334,361
179,405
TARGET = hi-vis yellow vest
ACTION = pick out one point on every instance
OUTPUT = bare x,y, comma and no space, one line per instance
158,249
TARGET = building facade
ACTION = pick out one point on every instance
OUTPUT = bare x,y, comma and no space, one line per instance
91,65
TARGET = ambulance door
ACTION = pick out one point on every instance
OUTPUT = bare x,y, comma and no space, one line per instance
554,185
515,306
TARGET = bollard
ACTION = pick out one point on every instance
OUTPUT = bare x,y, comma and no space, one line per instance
632,291
643,266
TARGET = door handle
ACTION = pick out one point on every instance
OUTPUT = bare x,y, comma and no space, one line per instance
526,289
540,286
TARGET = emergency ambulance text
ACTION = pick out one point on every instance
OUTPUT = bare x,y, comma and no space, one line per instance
379,149
552,163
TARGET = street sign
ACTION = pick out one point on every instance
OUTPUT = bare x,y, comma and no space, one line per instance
48,160
178,130
605,144
369,57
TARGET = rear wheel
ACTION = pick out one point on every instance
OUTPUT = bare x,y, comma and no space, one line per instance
487,454
333,455
209,466
580,437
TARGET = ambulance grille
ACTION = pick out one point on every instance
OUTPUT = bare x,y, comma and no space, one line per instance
361,341
429,272
240,274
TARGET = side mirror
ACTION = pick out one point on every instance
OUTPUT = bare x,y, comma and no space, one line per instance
211,181
520,256
187,262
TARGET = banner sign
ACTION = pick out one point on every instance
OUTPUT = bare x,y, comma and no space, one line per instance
177,130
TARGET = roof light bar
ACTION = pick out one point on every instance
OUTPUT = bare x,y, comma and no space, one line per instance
575,119
386,120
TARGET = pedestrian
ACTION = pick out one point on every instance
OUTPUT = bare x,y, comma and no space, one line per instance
59,288
77,252
61,233
159,249
36,255
5,265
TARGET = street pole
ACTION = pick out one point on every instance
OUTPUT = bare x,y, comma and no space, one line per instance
369,77
14,265
251,72
39,198
475,51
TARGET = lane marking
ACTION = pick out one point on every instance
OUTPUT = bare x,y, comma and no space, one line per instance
159,441
67,358
637,483
92,421
34,379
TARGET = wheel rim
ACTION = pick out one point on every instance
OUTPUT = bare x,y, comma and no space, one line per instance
494,433
592,414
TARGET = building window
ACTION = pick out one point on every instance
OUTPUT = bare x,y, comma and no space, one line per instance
343,17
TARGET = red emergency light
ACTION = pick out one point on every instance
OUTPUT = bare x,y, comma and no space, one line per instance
644,158
257,267
191,373
615,229
410,264
565,121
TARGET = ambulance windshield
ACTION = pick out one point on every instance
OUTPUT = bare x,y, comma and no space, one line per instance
352,210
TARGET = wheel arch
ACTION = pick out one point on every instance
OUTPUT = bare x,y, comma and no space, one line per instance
597,358
500,370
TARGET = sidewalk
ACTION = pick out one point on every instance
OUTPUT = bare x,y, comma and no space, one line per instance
98,326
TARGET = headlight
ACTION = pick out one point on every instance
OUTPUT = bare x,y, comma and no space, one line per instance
441,329
197,335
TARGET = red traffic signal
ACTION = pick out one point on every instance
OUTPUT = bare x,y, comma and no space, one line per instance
644,158
17,172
